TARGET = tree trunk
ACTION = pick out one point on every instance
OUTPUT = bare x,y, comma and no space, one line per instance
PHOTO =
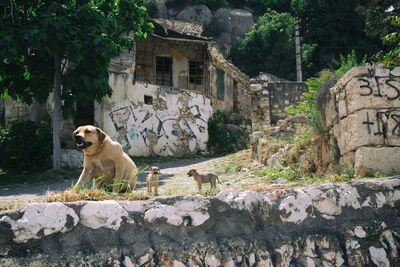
57,116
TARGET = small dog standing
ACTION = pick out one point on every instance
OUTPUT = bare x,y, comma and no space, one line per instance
204,178
152,180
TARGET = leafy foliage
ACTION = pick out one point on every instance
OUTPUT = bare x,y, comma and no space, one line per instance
323,23
392,58
25,146
224,136
87,33
326,79
269,47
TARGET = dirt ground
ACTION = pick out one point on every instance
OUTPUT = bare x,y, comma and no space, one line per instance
233,171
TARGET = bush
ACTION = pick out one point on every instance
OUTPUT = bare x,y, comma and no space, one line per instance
224,136
25,146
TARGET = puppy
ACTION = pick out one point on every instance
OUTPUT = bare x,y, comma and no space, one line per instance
152,180
204,178
103,158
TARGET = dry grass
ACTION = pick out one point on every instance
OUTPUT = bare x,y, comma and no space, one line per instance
72,195
9,205
264,188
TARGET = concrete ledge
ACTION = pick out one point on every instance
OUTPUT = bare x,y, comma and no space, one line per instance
348,224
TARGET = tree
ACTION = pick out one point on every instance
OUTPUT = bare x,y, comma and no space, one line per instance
46,45
268,47
337,27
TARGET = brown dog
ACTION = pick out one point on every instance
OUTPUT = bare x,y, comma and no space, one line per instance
152,180
103,158
204,178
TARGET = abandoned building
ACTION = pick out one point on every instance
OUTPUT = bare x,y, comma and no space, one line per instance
164,92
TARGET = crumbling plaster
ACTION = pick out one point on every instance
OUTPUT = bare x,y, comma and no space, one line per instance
172,123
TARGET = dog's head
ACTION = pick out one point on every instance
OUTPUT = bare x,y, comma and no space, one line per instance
191,172
88,135
154,170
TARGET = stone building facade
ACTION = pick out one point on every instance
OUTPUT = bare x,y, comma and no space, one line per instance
164,92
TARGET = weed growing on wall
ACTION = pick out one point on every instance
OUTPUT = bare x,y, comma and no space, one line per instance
25,146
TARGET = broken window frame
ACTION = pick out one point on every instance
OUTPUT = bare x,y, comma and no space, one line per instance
163,70
196,73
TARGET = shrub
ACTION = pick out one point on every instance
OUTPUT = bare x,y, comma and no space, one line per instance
224,136
318,89
25,146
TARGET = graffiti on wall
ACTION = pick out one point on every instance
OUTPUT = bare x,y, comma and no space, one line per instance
389,90
381,122
136,128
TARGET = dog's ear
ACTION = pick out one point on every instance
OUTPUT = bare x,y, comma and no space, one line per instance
101,134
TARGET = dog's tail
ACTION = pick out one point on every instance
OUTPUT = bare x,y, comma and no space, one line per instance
218,179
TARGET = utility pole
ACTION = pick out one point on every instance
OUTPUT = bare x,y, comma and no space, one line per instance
298,52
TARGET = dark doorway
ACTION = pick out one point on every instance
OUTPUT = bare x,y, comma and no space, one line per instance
84,114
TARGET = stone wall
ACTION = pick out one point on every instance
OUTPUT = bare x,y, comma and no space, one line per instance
270,96
149,120
349,224
362,118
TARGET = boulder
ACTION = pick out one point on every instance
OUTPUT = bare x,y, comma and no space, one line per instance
157,9
198,14
235,21
224,43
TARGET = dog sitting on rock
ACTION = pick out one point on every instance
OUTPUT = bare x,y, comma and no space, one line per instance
204,178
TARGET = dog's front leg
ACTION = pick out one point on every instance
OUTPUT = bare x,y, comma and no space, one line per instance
83,178
199,185
119,172
156,189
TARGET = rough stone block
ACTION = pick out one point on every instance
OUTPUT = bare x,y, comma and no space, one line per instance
395,71
347,160
255,87
369,160
381,72
356,130
393,128
368,92
330,112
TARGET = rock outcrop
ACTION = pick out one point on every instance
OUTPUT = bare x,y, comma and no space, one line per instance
231,23
198,14
348,224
